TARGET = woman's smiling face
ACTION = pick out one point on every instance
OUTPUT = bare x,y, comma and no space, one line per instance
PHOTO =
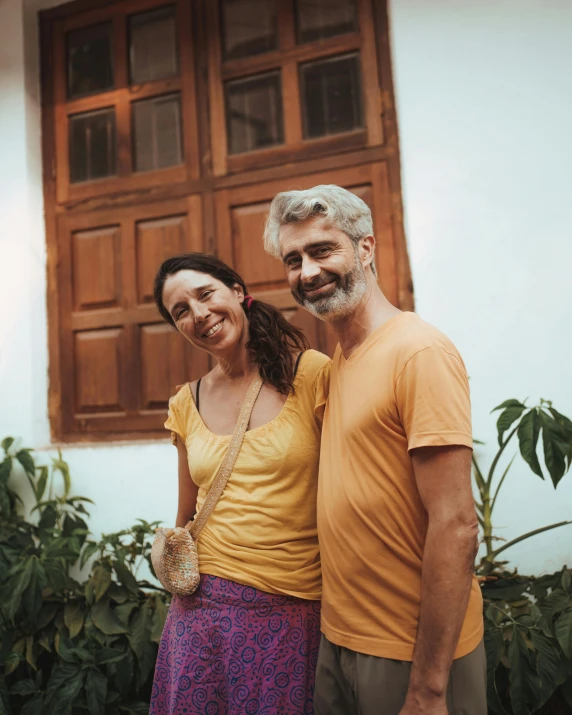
206,311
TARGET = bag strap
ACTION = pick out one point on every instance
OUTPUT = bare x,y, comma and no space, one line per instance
227,465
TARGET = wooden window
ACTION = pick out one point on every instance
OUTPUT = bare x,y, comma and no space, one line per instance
319,19
168,126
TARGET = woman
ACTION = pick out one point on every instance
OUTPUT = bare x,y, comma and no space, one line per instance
247,640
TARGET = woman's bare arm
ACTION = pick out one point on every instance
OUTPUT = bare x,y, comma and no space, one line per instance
188,490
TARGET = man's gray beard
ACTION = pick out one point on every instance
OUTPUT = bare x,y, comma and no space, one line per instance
344,300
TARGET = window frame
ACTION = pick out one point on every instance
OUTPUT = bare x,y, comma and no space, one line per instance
121,98
287,60
201,176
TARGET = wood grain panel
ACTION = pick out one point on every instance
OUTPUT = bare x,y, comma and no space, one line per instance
162,364
258,269
98,370
96,280
167,360
156,240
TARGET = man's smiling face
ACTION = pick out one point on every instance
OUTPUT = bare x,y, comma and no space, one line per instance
322,267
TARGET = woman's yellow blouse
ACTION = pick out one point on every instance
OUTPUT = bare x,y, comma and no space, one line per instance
262,532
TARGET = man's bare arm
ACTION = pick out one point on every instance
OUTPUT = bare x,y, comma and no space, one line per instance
443,476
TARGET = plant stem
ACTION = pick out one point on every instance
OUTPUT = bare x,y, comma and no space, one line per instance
500,483
528,535
480,480
498,456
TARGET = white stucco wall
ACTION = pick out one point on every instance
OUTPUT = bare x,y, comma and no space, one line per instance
484,105
485,108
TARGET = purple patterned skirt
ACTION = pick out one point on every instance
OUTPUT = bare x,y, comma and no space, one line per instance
232,650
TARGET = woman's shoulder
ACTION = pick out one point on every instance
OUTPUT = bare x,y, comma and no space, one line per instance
181,399
315,369
312,362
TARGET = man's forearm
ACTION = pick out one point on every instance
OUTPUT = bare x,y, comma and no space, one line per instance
448,563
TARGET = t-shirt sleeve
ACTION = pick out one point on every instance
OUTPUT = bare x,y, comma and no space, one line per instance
433,399
321,389
176,419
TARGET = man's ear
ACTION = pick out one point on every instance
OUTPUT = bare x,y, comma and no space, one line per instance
366,250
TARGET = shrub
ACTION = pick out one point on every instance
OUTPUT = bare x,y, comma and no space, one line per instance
68,646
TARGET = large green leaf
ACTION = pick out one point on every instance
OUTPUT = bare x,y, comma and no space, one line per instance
35,706
62,699
508,403
554,603
505,588
71,653
140,629
566,427
109,655
100,579
124,672
566,691
62,467
42,482
137,708
57,574
32,595
507,417
140,641
106,620
563,630
518,656
24,687
555,448
494,648
528,432
74,614
159,617
4,699
5,470
547,665
96,690
17,584
48,518
27,461
47,613
7,442
90,548
126,577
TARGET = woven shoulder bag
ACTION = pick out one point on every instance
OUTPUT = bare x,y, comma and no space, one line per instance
174,551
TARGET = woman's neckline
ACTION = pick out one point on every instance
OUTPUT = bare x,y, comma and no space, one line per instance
260,428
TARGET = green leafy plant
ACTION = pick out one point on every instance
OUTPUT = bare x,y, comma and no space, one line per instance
527,424
528,620
67,646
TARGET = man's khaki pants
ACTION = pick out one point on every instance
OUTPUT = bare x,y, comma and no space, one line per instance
350,683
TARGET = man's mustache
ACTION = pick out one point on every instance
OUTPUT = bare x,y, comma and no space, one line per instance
320,280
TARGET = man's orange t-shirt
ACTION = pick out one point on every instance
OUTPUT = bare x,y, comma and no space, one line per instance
405,387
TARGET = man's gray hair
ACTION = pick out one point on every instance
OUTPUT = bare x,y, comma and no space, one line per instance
340,207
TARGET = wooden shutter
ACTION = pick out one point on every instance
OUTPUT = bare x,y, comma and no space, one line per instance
169,127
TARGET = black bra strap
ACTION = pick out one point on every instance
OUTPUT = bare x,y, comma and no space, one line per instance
197,395
297,363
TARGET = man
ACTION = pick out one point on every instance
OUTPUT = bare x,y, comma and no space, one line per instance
402,624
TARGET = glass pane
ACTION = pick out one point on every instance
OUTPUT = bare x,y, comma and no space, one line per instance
92,145
331,96
248,27
157,133
153,45
90,63
318,19
254,113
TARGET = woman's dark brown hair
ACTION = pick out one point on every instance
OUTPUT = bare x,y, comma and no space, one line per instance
272,339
